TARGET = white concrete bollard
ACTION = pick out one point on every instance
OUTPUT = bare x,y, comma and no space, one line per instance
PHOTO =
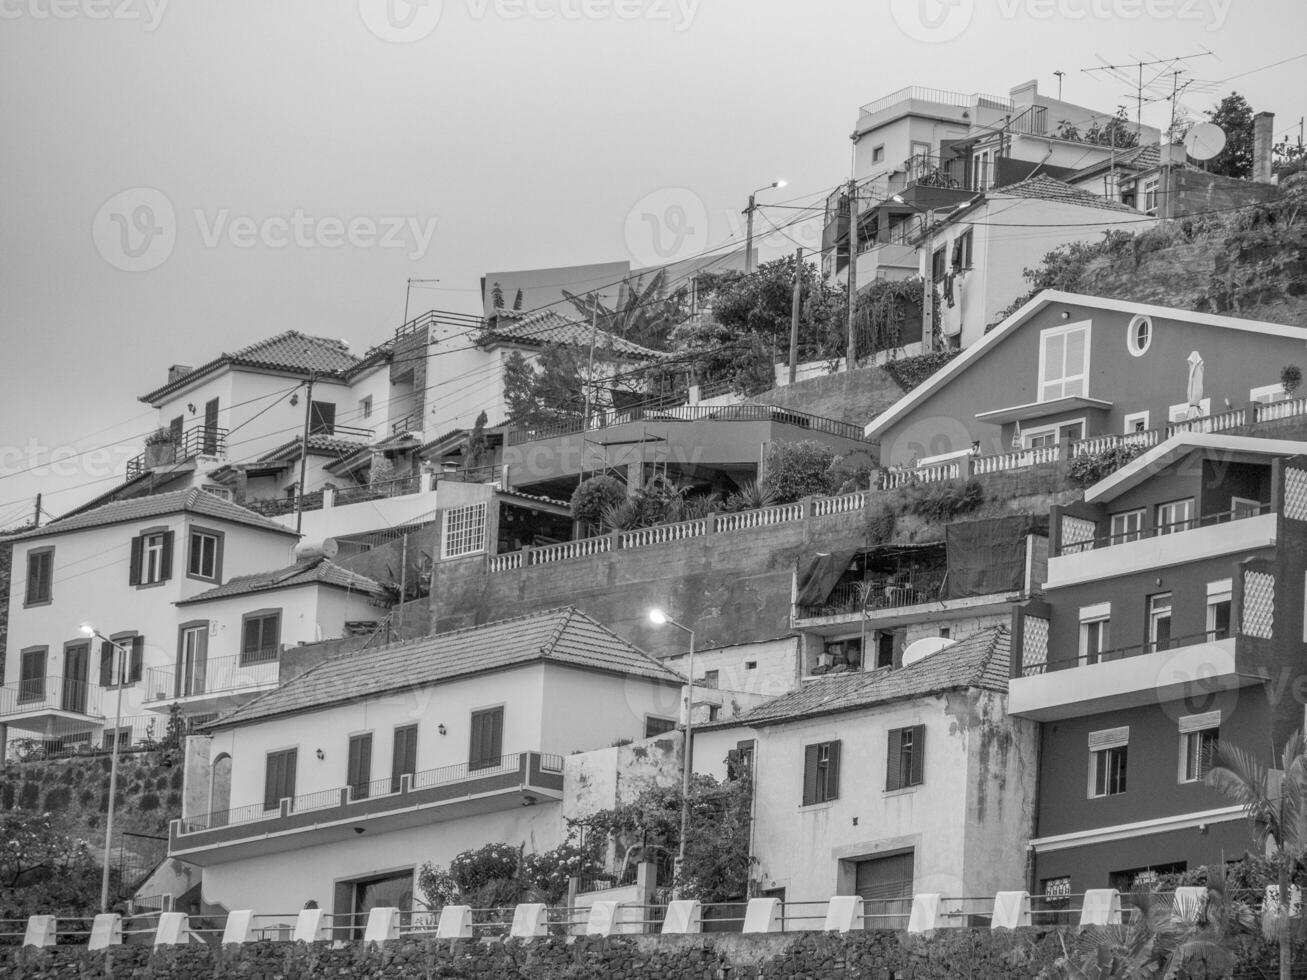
844,914
925,913
307,926
238,927
106,931
1011,910
605,919
530,921
174,929
383,924
763,915
1189,902
1102,907
455,922
684,916
41,930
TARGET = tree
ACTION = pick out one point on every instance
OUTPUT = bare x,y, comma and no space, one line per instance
550,390
1276,807
799,469
593,496
478,449
645,313
44,870
1235,117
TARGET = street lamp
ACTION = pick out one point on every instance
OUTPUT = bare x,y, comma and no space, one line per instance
753,206
928,290
660,618
120,675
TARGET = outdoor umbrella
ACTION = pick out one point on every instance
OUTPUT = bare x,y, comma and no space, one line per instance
1195,384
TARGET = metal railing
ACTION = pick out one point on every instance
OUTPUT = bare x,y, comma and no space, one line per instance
880,592
199,440
1161,530
400,487
219,675
1140,649
43,694
939,96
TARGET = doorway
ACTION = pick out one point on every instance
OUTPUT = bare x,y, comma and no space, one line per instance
192,661
885,885
77,672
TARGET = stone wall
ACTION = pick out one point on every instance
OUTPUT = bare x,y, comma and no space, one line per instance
977,955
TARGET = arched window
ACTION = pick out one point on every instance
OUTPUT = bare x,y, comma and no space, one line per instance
1139,335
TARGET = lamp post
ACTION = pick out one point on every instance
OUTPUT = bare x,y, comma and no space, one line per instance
928,288
660,618
120,655
753,206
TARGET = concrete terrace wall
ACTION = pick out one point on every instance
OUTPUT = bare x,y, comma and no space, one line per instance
849,396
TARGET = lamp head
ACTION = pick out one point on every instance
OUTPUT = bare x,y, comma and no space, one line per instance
898,199
780,183
87,629
658,617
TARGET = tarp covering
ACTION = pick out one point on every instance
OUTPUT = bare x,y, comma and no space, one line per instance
989,556
817,576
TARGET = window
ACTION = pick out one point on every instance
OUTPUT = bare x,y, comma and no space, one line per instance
1218,609
222,493
121,737
358,774
1175,515
1198,737
654,725
741,764
1139,335
260,636
204,558
907,757
151,558
1064,362
1051,435
40,577
711,678
403,755
1241,507
115,662
921,151
1136,422
1267,394
322,418
878,154
192,659
961,258
31,675
1143,879
821,772
1107,768
279,778
1159,621
1150,195
1180,411
487,746
1127,526
465,531
939,264
365,407
884,649
751,665
1094,632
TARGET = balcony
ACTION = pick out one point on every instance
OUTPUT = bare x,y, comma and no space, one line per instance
336,815
1126,677
199,440
213,686
877,594
43,704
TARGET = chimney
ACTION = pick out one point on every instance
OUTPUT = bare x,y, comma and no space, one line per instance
1263,140
1025,93
178,371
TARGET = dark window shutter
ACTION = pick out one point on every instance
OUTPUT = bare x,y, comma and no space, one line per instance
360,765
271,781
138,659
403,758
134,568
833,772
893,776
495,748
918,755
165,560
809,774
106,664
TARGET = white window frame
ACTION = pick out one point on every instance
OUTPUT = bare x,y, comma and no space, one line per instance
151,570
1059,333
1120,532
1149,192
365,407
1132,423
1101,745
1132,344
878,153
1174,525
1245,503
1100,616
1028,436
1217,593
191,553
1179,412
1155,616
1192,728
463,531
1268,394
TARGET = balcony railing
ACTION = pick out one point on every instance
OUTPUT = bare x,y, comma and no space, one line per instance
199,440
401,487
217,676
1125,652
880,592
1160,530
38,695
691,413
921,93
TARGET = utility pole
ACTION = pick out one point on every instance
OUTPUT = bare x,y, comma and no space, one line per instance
304,455
851,358
36,517
795,306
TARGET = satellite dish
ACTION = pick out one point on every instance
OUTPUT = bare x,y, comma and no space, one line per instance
1204,141
923,648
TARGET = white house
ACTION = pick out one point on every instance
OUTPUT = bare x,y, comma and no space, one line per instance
121,568
890,783
340,784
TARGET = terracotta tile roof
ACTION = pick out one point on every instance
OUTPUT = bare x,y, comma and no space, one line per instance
321,571
1045,188
560,636
193,501
550,327
1137,160
980,661
290,352
319,443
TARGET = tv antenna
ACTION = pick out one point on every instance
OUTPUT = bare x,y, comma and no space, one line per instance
1115,72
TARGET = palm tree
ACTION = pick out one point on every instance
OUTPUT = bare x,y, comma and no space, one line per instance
1276,806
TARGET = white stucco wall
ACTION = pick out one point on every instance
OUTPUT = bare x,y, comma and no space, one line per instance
775,670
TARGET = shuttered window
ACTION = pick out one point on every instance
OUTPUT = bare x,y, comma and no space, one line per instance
821,772
31,679
404,756
260,637
906,762
487,738
40,576
359,775
134,667
279,782
322,418
151,558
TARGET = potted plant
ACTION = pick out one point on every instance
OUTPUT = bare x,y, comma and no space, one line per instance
160,449
1290,378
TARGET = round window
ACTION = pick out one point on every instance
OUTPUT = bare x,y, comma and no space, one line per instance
1139,335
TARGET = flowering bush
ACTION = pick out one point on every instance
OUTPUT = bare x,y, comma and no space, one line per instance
473,870
549,872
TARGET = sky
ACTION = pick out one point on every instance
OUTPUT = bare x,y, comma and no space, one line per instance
182,179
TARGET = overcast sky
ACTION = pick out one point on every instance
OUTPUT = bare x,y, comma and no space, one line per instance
186,178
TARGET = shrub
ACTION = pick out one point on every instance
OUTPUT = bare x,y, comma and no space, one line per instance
750,496
1087,470
799,469
908,372
150,801
594,496
939,502
472,870
1290,378
880,524
548,872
